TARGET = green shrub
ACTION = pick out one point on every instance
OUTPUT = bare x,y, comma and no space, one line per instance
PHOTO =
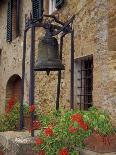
98,121
10,120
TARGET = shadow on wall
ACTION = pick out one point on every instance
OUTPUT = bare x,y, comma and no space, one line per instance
13,88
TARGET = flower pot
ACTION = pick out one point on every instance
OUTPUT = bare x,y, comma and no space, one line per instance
27,122
101,144
1,150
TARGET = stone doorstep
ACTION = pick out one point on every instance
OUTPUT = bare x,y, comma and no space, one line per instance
17,143
21,146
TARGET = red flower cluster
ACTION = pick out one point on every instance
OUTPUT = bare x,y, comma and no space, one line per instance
64,151
36,125
79,119
48,132
42,152
72,129
32,108
84,126
10,105
76,118
38,141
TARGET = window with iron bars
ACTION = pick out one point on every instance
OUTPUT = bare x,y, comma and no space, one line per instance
84,82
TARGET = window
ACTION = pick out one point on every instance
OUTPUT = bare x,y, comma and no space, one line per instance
12,20
49,6
52,5
84,81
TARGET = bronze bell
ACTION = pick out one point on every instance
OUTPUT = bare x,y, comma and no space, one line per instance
49,59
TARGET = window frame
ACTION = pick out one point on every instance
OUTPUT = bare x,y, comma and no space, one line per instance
52,8
84,82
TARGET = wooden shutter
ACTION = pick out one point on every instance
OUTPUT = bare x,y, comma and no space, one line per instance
17,17
37,9
9,21
59,3
12,20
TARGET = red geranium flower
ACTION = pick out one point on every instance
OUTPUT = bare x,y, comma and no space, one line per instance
76,117
32,108
10,105
84,126
42,152
72,129
38,141
48,131
36,125
64,151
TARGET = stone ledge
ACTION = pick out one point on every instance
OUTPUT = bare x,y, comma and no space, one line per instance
16,143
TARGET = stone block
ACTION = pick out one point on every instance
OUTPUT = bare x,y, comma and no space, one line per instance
16,143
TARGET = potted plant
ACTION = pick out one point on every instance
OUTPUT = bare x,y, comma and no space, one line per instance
61,134
103,137
8,121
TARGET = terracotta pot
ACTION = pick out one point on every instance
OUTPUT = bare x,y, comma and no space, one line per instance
101,144
1,150
27,122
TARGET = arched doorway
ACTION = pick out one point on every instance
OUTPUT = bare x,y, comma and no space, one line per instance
13,88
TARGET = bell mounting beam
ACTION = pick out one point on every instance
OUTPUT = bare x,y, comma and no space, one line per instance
55,26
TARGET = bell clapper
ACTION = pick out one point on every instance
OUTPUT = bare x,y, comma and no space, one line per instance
48,72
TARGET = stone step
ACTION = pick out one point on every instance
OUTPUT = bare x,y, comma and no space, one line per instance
16,143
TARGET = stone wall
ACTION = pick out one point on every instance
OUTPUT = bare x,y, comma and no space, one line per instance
11,62
95,34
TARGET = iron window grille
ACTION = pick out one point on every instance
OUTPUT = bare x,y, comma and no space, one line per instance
84,79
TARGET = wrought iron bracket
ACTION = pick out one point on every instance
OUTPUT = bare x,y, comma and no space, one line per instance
55,27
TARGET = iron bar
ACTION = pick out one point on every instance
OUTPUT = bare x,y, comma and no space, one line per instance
31,93
85,69
59,75
55,19
22,81
81,86
66,28
85,95
85,84
72,71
